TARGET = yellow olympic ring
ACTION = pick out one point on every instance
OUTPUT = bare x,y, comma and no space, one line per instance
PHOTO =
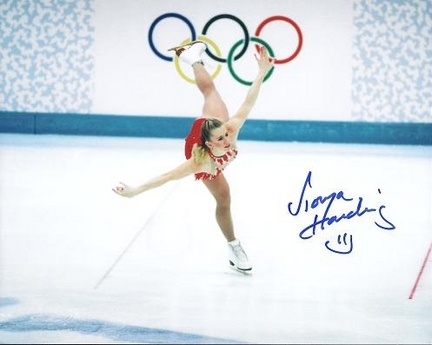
216,49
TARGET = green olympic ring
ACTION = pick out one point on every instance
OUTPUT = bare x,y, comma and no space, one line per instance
231,54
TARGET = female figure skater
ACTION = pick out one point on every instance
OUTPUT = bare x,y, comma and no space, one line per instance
211,145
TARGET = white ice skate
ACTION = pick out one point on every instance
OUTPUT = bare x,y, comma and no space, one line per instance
190,53
237,257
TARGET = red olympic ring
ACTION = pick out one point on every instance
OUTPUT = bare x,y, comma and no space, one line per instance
296,27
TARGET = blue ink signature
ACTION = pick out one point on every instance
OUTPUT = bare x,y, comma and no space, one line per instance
328,219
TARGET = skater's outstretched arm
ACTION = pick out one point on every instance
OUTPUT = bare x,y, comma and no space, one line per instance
187,168
265,63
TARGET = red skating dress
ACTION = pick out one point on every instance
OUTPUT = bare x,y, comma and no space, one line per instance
221,162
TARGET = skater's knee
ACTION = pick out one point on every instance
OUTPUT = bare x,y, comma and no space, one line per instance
223,198
220,190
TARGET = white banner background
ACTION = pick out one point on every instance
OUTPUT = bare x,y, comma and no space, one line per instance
131,79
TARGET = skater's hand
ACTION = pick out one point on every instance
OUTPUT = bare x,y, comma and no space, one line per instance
265,63
125,190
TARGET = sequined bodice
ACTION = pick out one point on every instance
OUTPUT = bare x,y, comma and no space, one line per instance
220,163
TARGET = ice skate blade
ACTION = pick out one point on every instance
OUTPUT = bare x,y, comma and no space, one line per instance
247,271
186,45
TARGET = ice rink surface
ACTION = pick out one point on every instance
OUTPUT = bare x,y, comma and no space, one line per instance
338,236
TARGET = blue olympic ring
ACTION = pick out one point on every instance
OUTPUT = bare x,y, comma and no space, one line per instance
160,18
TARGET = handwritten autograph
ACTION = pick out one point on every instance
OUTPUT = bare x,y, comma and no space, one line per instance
327,219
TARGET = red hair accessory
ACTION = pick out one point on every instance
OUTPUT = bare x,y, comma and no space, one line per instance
194,137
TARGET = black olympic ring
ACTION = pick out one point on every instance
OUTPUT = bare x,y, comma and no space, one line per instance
239,22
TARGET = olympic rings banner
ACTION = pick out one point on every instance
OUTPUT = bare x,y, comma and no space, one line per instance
136,74
213,50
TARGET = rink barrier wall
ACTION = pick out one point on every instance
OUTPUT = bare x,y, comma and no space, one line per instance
390,133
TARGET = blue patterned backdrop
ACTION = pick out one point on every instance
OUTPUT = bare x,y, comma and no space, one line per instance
46,61
45,56
392,71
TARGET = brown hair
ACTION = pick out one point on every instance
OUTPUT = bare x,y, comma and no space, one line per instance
207,127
